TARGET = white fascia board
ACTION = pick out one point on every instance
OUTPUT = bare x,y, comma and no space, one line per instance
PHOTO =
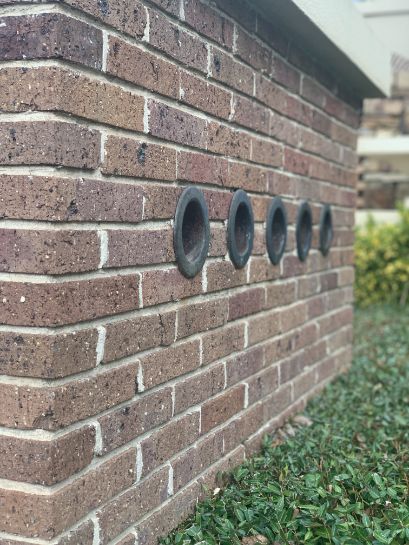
383,146
346,28
380,8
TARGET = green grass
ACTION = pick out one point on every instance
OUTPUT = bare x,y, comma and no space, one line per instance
343,480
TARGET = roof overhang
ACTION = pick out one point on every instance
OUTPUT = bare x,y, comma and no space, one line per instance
337,35
393,149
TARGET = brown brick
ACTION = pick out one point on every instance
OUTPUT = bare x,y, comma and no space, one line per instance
51,408
160,523
202,168
246,302
204,96
285,74
240,11
296,162
120,513
130,157
263,327
48,252
186,48
128,337
244,176
138,66
201,317
263,384
46,462
281,184
50,36
222,275
226,141
244,365
142,247
270,94
64,199
222,342
218,474
169,440
285,130
196,460
167,285
218,243
276,402
160,201
51,88
45,516
193,390
47,356
126,16
52,304
170,6
82,535
293,316
206,21
218,203
248,113
217,410
252,52
168,363
262,270
226,69
176,125
143,414
266,152
279,295
49,143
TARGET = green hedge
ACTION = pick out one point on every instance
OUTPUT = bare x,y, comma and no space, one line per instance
382,262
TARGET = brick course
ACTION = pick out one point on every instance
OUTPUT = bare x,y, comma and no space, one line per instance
125,386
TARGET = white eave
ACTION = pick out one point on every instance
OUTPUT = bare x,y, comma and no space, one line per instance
337,34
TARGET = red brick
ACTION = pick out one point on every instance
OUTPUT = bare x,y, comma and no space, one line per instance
278,295
51,88
263,327
248,113
48,252
65,199
226,69
239,429
52,304
226,141
45,516
199,317
126,16
160,523
46,462
293,316
169,440
47,356
130,157
262,270
240,11
197,388
204,96
246,302
50,36
138,417
276,402
49,143
51,408
222,275
244,365
205,20
218,474
285,74
160,201
285,130
222,342
138,66
120,513
196,460
218,243
142,247
217,410
202,168
186,48
270,94
244,176
161,286
127,337
263,384
266,152
296,162
252,52
176,125
163,365
170,6
218,203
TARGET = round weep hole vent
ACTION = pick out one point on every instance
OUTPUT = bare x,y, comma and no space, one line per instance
276,230
191,232
304,230
240,229
326,231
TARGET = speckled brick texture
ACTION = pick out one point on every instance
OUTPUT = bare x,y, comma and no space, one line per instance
125,387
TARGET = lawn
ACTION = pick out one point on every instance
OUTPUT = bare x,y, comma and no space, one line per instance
342,480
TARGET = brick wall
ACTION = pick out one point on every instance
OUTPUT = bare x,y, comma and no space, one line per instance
125,386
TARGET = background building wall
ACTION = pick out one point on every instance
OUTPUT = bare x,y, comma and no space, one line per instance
126,387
